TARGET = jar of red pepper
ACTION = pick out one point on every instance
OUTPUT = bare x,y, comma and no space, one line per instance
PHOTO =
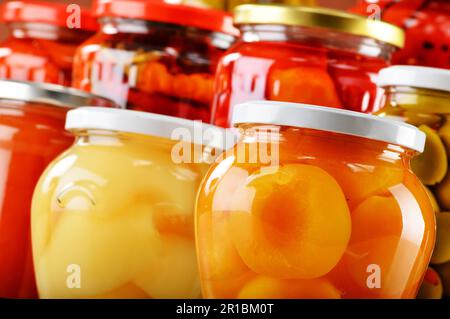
426,24
304,54
154,56
42,39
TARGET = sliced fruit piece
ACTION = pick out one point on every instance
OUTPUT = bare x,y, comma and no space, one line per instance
431,286
441,253
431,165
444,134
219,258
269,288
222,270
379,268
376,216
311,85
297,225
175,274
107,253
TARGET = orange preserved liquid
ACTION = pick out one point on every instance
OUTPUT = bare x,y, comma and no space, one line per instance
339,217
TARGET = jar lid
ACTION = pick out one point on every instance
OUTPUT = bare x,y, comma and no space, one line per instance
330,120
160,11
144,123
330,19
51,94
45,12
416,76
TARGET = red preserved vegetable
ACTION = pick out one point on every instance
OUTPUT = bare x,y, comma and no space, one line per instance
301,54
426,24
154,56
40,45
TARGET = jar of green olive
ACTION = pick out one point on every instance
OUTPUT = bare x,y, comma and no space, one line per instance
421,96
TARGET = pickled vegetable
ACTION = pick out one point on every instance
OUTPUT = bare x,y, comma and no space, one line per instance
441,253
431,165
433,200
442,191
444,134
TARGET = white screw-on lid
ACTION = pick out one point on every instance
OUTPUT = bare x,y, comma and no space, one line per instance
119,120
330,120
415,76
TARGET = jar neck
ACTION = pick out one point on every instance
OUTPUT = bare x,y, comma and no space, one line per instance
44,31
188,35
426,101
300,144
113,138
176,151
318,38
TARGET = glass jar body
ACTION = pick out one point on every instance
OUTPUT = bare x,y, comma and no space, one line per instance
32,135
39,52
155,67
127,226
337,217
297,64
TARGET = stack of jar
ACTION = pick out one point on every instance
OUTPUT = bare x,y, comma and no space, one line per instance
148,203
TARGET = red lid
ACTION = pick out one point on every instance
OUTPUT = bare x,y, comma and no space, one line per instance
158,10
45,12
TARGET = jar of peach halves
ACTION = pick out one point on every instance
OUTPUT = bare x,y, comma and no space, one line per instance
314,203
113,216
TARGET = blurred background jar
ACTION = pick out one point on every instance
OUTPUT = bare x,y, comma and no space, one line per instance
426,24
126,229
32,134
230,4
153,56
303,54
41,41
314,202
421,96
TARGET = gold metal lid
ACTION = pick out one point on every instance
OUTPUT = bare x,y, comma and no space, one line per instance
331,19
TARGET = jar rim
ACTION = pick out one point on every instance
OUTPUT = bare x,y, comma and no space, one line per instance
318,17
51,94
44,12
150,124
420,77
329,120
160,11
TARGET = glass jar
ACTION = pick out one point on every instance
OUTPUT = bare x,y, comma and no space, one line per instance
230,4
426,27
421,96
314,202
31,135
125,229
301,54
153,56
40,45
